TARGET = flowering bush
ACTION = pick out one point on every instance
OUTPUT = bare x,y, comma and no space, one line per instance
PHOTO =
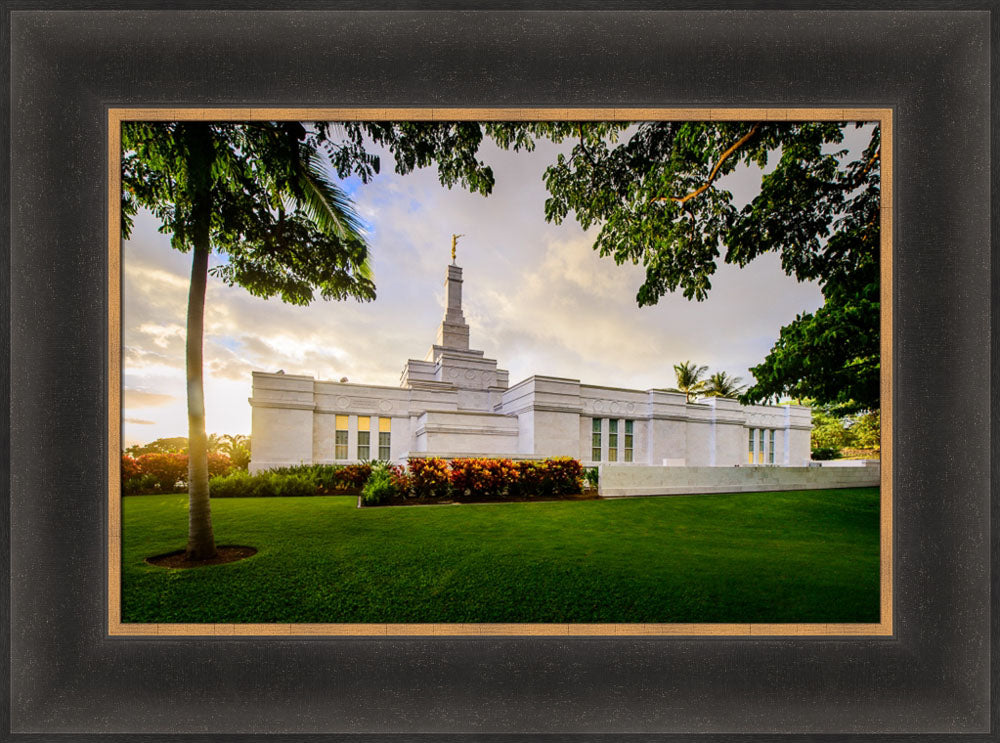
130,468
563,475
353,476
168,471
529,478
218,464
165,472
484,478
429,478
401,479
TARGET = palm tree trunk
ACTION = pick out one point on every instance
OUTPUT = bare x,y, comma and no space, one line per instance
201,540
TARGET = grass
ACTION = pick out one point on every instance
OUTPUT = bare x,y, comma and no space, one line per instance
804,556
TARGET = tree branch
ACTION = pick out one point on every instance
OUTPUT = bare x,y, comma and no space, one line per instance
868,165
584,147
711,178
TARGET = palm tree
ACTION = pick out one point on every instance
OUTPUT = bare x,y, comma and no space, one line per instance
231,441
689,379
214,442
237,448
721,384
257,193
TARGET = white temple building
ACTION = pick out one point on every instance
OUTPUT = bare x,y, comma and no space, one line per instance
455,402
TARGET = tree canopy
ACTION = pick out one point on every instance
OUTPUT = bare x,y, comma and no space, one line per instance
834,432
654,191
159,446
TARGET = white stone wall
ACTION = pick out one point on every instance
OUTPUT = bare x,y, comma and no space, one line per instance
584,426
401,439
730,445
456,431
612,402
699,446
556,434
526,432
667,441
475,400
281,437
622,480
324,437
800,447
294,421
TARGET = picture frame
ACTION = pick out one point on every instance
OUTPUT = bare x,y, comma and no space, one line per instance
117,117
931,676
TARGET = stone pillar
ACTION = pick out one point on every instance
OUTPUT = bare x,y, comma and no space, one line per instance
453,333
453,295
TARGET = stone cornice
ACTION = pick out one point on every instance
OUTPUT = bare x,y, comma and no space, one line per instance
281,376
290,405
544,408
479,413
640,393
349,387
474,430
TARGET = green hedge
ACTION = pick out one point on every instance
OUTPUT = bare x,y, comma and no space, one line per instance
270,484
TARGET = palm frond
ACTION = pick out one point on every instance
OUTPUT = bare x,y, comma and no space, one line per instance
326,203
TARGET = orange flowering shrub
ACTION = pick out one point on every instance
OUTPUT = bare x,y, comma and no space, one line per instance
400,479
130,468
353,476
429,478
562,475
529,478
483,478
165,470
218,464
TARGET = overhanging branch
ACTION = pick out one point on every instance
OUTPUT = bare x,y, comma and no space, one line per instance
715,171
583,147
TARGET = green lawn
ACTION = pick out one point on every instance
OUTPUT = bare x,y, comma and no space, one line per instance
810,556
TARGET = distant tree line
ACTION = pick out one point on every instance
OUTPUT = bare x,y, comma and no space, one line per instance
835,435
235,446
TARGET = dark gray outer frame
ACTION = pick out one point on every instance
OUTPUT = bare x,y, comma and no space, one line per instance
933,677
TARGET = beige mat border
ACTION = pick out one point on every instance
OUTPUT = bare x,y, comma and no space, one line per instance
116,116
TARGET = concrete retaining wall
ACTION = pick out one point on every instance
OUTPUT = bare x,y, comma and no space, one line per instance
620,481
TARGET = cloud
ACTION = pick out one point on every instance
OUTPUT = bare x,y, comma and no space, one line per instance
134,398
139,422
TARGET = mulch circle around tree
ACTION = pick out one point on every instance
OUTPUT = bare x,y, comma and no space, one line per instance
224,554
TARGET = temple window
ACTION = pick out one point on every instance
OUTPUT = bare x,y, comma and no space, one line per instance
384,439
340,438
364,438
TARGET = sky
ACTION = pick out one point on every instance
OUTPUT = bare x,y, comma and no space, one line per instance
536,296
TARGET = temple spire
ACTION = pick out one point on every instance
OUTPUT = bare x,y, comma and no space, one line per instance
453,332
